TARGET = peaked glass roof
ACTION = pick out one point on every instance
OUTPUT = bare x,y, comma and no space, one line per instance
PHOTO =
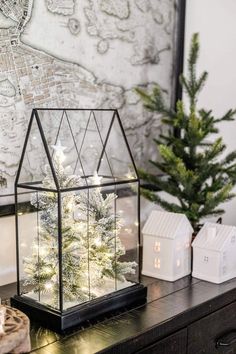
88,147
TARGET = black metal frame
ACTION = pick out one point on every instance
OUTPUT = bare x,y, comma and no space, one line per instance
180,50
62,319
60,322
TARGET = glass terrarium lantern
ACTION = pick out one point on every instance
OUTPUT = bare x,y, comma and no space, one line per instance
77,218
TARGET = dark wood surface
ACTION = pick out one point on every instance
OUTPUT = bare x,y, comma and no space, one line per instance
204,333
170,309
174,344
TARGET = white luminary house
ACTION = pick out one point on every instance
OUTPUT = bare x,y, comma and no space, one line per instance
214,250
167,246
78,186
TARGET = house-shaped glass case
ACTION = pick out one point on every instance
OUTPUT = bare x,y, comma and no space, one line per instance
77,218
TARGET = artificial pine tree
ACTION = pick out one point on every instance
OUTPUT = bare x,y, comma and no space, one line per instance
105,247
90,252
42,267
191,164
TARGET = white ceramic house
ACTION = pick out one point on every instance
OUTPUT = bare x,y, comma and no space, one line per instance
167,246
214,253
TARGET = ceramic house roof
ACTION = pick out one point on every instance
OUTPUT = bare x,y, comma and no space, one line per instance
218,240
165,224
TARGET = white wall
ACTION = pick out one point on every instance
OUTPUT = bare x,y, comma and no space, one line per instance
7,250
27,223
216,24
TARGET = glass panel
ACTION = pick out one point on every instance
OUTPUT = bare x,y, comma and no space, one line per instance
118,154
104,119
92,151
77,121
75,249
81,143
63,141
50,121
102,240
113,238
38,246
128,236
35,165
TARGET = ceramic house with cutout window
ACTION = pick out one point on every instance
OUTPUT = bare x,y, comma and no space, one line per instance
214,250
167,246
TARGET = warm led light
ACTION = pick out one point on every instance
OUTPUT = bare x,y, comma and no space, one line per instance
187,245
178,262
157,263
97,242
129,175
128,230
96,179
48,286
42,251
59,151
136,223
157,246
70,205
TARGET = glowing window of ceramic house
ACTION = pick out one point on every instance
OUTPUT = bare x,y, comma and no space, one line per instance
157,263
157,246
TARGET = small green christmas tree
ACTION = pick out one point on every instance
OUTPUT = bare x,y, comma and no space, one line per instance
191,165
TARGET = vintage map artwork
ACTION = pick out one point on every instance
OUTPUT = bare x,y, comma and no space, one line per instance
82,54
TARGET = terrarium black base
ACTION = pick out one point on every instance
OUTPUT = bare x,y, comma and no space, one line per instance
77,315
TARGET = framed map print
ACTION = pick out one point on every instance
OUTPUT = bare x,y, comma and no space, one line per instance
84,54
